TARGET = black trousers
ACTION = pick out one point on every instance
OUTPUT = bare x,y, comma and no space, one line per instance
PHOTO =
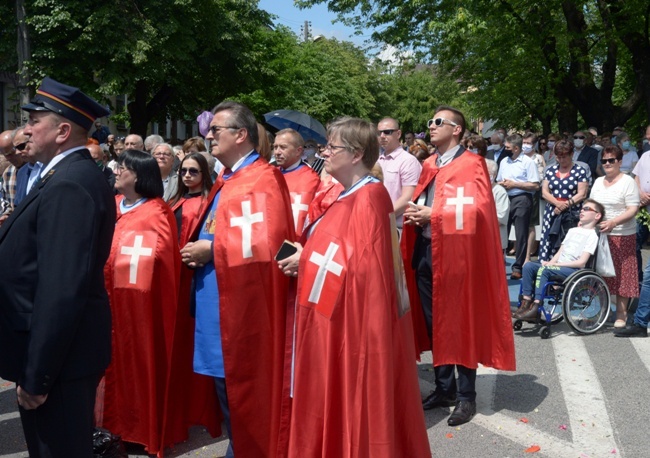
62,427
465,387
222,395
520,208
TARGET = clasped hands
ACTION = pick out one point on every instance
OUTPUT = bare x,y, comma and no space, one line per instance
29,401
419,216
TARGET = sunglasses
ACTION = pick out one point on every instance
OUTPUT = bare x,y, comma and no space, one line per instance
21,146
439,122
192,171
387,132
611,160
588,209
579,137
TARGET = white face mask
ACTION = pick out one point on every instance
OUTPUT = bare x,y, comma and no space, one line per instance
578,142
550,144
526,148
494,147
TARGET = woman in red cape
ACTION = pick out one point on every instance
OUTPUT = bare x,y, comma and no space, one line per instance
142,275
191,398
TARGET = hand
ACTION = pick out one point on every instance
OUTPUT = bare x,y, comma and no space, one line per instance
3,218
419,217
197,254
289,266
645,198
607,226
29,401
557,210
508,184
545,263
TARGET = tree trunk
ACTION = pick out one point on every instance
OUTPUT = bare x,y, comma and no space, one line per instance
142,111
23,49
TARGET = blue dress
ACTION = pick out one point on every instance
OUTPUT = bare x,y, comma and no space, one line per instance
560,188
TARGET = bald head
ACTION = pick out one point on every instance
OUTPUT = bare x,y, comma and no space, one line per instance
134,141
95,152
6,143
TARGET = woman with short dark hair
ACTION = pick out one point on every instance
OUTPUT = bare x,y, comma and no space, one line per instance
142,275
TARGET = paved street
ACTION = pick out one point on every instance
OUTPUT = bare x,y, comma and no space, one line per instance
572,396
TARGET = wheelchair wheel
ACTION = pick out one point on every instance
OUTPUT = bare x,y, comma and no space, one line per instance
553,306
586,303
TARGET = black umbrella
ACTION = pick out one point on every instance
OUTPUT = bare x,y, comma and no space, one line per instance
304,124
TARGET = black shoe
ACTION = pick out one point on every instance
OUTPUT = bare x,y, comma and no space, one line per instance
463,413
438,399
515,275
634,330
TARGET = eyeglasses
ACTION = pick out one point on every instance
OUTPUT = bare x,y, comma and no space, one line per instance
162,155
386,132
588,209
560,156
216,130
611,160
439,122
21,146
332,148
121,169
579,137
192,171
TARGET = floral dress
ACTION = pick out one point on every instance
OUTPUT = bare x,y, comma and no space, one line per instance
563,189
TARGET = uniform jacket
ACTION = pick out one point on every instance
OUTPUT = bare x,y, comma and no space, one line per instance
54,315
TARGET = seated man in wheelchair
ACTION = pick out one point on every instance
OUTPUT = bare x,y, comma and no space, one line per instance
578,246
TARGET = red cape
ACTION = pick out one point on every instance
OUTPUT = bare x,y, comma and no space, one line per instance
302,183
326,194
356,391
471,306
253,306
191,397
143,292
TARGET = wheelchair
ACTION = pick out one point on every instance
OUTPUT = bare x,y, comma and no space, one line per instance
582,299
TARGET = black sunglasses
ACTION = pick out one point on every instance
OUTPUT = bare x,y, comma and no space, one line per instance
611,160
192,171
579,137
21,146
386,132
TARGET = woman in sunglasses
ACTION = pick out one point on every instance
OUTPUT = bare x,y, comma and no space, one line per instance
619,194
194,184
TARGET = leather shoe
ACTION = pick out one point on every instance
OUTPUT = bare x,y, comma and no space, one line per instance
463,413
634,330
523,308
438,399
515,275
531,314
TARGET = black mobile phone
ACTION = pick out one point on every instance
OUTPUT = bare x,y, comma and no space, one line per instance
287,249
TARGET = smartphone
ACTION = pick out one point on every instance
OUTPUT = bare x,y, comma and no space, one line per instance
287,249
412,205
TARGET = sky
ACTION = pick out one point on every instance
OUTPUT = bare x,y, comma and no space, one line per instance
321,20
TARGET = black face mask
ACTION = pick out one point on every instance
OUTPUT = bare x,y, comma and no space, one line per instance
507,152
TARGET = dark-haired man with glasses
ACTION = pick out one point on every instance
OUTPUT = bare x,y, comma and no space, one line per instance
452,253
241,295
400,168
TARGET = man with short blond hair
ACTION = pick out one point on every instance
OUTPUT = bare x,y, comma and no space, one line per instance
400,168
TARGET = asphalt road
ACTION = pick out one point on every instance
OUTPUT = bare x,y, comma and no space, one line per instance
572,396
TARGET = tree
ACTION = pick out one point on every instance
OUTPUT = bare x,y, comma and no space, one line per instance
526,59
169,56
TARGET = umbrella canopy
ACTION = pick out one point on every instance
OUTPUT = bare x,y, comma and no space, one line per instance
304,124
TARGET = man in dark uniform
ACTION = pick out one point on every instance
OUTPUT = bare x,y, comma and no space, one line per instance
55,323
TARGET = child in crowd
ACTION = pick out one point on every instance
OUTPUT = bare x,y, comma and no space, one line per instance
578,246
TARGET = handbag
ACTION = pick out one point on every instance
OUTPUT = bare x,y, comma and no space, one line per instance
604,264
107,445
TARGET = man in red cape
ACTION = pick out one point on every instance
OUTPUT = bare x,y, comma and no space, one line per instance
301,180
451,246
241,334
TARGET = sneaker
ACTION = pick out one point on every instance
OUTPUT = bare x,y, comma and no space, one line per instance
634,330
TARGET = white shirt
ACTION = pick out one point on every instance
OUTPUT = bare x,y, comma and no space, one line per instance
616,198
577,241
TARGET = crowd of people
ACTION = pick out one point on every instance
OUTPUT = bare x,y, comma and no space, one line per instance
279,287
